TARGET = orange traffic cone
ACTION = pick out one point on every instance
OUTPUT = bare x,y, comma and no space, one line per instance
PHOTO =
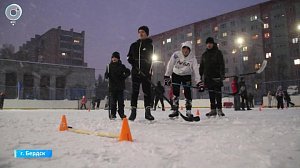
198,113
63,124
125,134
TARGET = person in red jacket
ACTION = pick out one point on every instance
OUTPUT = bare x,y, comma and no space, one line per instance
235,91
83,102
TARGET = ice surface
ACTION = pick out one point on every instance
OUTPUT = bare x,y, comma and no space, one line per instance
248,139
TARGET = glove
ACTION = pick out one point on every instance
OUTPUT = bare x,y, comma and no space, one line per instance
200,86
168,80
130,60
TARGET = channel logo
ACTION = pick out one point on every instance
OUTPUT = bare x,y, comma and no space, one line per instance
13,12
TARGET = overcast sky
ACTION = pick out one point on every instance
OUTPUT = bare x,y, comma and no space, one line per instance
110,25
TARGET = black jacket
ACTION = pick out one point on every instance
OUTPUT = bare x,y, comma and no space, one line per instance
116,73
212,64
140,56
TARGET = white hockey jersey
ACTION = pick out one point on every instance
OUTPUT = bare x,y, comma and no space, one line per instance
181,65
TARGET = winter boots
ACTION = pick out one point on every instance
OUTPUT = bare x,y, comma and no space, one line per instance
215,112
133,114
148,115
212,113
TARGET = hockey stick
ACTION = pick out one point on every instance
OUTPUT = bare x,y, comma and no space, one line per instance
195,87
260,70
196,118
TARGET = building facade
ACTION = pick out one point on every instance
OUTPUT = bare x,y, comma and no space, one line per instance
56,46
48,67
269,30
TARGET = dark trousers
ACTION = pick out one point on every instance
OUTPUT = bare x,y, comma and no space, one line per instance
182,80
1,104
279,102
83,105
137,80
288,103
237,102
117,98
159,98
98,103
215,96
244,102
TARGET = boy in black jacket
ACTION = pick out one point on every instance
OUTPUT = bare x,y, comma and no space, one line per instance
116,72
140,58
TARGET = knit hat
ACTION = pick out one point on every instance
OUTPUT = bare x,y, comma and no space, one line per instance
210,40
116,55
145,28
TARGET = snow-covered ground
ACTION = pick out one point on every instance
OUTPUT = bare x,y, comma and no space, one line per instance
248,139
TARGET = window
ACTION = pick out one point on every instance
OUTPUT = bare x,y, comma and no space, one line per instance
257,66
76,41
245,58
189,34
223,26
224,43
297,61
224,34
267,35
233,32
198,41
266,25
169,40
164,42
63,54
254,37
232,23
295,40
254,17
245,48
268,55
234,51
216,28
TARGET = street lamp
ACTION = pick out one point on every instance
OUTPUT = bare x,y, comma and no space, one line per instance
154,57
240,41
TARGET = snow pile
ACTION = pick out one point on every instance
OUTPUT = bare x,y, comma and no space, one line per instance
268,138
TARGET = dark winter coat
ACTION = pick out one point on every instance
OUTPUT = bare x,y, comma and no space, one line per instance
212,65
116,72
140,56
286,96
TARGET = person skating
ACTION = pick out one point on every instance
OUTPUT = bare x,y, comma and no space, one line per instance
83,102
270,96
140,58
159,91
2,97
235,92
287,99
243,93
279,97
212,67
116,72
180,68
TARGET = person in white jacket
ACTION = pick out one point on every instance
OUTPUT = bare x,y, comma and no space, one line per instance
180,68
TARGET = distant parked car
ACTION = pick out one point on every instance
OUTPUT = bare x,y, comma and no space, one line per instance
293,90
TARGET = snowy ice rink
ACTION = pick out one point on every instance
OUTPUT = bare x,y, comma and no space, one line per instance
244,139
